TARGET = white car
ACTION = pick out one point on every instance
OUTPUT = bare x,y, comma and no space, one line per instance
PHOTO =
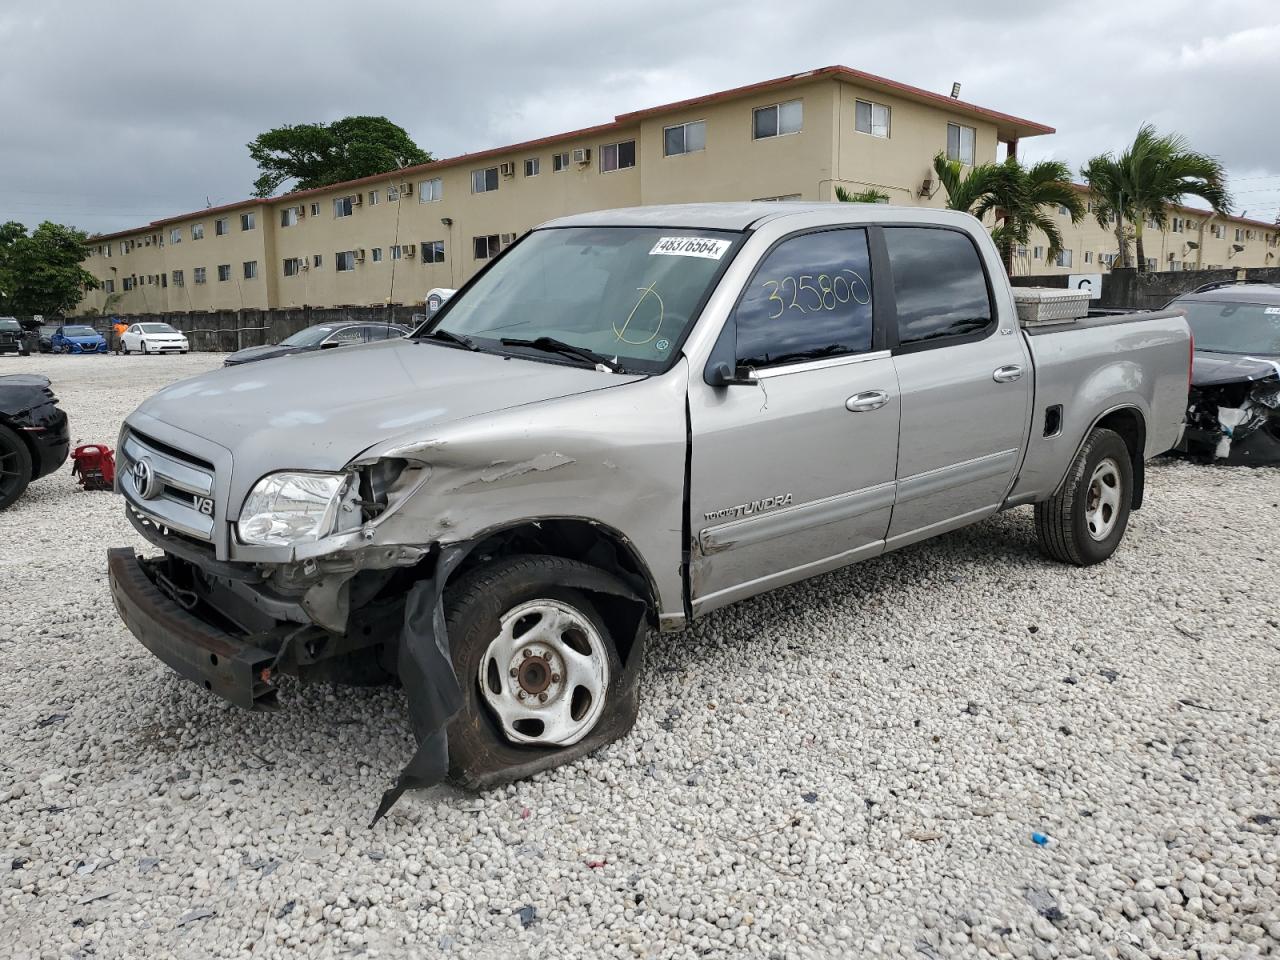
153,338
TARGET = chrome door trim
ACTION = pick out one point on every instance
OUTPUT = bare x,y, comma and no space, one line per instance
955,474
747,531
822,364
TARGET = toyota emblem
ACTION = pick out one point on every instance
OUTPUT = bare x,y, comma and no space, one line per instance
144,479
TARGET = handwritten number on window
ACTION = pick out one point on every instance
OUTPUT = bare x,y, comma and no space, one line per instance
828,293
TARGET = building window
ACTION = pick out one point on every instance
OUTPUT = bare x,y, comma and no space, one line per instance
960,141
1217,231
1022,249
197,231
617,156
487,248
872,118
684,138
532,167
178,279
292,266
484,181
777,120
344,260
1063,259
374,197
224,272
221,226
377,254
559,161
247,221
1063,211
1177,224
1239,234
251,269
396,252
317,262
429,191
126,284
342,207
432,251
1088,256
198,275
315,209
1037,253
175,235
289,217
109,286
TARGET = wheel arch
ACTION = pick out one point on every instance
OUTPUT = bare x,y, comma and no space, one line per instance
1129,422
32,450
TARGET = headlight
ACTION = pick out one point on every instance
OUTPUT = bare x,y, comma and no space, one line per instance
284,509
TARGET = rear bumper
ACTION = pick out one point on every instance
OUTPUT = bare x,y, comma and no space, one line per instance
221,663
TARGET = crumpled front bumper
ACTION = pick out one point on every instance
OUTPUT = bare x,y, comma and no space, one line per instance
221,663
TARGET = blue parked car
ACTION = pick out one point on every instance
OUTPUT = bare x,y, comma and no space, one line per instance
77,338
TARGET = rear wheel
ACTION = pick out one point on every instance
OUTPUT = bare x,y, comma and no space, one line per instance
1085,521
15,466
538,668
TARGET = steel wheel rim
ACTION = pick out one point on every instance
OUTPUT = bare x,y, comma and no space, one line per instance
1102,501
545,674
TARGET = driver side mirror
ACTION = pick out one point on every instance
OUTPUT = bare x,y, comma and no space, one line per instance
720,374
330,343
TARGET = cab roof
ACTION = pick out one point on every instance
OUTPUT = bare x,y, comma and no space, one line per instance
744,215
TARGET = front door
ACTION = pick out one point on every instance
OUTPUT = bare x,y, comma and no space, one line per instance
966,384
793,466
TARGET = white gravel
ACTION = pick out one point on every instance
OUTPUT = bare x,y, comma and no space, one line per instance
854,766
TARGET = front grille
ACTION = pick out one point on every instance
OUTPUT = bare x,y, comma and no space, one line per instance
180,484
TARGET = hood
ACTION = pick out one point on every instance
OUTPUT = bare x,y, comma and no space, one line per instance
20,392
1216,369
96,338
317,410
261,353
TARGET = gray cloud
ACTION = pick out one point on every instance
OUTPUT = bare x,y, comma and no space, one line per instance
116,114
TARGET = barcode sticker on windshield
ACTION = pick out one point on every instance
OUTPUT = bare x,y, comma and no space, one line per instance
705,247
1273,310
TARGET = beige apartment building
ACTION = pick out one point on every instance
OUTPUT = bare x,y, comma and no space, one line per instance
392,237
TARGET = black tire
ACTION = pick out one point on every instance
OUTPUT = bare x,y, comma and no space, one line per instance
480,754
1062,522
15,466
145,351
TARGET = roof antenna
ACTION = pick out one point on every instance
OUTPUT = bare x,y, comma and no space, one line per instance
955,91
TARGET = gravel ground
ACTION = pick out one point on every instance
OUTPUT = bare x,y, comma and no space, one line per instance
859,765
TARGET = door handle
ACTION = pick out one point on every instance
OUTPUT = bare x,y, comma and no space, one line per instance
867,400
1007,374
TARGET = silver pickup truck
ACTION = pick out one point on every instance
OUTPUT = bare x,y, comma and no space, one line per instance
626,420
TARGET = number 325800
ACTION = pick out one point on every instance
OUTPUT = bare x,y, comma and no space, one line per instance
811,294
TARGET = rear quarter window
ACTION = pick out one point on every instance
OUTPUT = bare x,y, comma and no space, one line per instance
939,286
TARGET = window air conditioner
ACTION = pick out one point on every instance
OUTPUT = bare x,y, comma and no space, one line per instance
581,154
408,249
302,212
357,200
507,169
406,189
360,255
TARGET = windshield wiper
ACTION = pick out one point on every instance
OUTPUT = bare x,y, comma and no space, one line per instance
448,336
552,345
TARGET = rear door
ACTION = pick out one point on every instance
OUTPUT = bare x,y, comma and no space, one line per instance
965,378
792,468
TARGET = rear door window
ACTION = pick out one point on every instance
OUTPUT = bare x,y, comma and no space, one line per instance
939,286
810,298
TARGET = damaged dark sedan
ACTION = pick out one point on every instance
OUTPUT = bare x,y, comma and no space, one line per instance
1233,411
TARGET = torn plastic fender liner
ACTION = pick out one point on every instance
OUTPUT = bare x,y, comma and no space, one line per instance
430,684
435,696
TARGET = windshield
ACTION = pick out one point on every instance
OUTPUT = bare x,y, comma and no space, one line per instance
156,328
621,292
79,332
307,338
10,325
1245,328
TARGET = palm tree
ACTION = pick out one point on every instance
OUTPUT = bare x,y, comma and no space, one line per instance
871,195
1112,197
1151,175
1016,196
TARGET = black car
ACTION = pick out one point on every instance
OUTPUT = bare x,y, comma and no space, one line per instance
11,337
45,337
320,337
1233,412
34,436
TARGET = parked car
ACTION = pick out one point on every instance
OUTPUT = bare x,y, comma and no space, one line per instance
153,338
321,337
34,436
628,419
77,338
45,334
11,337
1233,411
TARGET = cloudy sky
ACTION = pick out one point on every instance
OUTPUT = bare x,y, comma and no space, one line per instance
114,114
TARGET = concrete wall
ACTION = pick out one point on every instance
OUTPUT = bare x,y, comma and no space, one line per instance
1130,290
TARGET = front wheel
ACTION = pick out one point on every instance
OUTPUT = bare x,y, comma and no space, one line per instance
15,466
145,351
538,667
1084,522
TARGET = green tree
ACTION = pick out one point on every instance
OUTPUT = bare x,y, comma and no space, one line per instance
871,195
1151,175
1021,199
318,154
41,272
